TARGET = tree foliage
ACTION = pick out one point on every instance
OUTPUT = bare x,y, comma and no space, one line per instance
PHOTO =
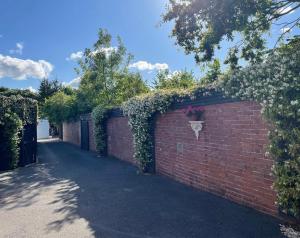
48,88
129,85
178,79
213,73
105,79
200,25
60,107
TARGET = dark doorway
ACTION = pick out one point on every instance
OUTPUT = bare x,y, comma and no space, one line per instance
84,134
28,145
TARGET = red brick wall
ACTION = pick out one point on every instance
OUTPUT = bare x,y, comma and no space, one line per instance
229,157
71,132
119,139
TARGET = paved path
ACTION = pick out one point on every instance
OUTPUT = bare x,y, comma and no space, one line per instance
72,193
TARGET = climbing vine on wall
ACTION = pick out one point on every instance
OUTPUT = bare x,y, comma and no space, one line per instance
141,111
275,84
100,115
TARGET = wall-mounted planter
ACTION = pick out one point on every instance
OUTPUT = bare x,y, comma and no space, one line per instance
196,127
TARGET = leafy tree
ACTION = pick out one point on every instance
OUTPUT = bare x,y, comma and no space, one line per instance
213,73
129,85
200,25
178,79
60,107
68,90
48,88
105,79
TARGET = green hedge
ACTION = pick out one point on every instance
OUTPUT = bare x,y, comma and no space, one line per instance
25,108
15,112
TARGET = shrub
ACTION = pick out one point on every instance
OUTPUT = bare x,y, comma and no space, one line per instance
60,107
177,79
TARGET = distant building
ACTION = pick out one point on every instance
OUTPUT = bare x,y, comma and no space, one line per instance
43,129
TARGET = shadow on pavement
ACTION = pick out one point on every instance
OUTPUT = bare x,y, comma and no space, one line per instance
118,202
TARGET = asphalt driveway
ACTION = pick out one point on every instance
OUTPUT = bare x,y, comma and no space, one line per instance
73,193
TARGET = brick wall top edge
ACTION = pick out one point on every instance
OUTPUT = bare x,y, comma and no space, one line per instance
216,98
207,100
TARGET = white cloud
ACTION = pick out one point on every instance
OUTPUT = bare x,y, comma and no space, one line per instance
144,65
18,50
285,10
75,56
22,69
79,54
73,83
174,73
286,29
31,89
107,50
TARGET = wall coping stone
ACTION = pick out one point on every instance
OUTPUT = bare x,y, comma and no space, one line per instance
216,98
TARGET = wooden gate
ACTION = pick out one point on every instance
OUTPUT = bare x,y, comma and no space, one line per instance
84,134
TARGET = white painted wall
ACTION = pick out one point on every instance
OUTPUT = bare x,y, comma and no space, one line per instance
43,129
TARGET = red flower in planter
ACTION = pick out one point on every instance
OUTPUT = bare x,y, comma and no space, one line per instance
195,113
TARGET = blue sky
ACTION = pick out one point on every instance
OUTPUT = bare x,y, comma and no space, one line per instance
37,37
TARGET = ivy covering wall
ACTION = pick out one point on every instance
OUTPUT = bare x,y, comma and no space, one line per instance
141,111
99,116
275,84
